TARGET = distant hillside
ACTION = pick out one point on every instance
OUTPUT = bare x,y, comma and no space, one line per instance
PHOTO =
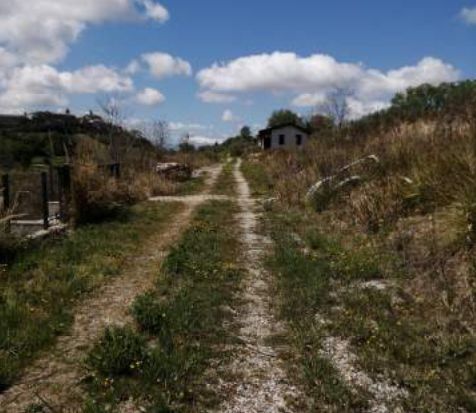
46,135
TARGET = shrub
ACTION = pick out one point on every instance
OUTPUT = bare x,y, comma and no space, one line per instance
97,197
149,313
120,351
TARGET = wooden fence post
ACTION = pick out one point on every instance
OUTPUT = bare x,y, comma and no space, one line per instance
64,179
6,198
45,204
6,192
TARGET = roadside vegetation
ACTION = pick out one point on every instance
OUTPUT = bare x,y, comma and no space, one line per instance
157,364
225,184
39,289
261,184
375,271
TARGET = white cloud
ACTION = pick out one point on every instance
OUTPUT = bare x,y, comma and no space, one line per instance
309,99
133,67
180,126
41,31
163,65
215,97
315,76
156,11
469,15
359,108
29,87
228,116
205,140
276,72
150,97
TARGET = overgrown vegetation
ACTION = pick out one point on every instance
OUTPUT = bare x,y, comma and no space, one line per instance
179,326
396,336
39,289
390,269
260,182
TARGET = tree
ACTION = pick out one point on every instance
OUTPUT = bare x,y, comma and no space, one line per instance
159,134
246,133
284,117
115,117
337,107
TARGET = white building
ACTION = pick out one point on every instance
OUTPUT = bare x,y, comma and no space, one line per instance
285,136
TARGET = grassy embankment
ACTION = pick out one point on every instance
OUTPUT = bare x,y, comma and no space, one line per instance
39,289
408,227
161,361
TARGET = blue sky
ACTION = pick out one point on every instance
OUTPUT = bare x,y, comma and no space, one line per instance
249,57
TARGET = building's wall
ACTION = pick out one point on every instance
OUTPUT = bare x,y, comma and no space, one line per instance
289,133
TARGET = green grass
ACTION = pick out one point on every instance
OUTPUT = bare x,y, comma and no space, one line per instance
39,289
260,183
393,334
182,322
225,184
302,288
191,186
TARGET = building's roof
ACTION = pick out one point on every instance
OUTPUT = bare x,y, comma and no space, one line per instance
267,131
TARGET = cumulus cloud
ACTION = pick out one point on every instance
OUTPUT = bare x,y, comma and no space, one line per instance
276,72
469,15
150,97
312,78
28,86
41,31
228,116
164,65
215,97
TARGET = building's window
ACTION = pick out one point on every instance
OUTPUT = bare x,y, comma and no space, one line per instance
298,140
281,139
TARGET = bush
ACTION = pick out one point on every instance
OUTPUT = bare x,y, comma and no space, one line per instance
97,197
149,313
119,352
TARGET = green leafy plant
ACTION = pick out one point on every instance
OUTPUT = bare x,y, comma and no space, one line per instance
120,351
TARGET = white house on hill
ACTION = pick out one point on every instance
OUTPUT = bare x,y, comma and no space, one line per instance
284,136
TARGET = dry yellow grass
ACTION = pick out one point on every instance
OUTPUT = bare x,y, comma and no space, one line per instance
418,203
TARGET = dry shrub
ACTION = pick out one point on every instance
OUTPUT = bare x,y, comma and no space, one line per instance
377,204
154,185
438,161
441,266
97,197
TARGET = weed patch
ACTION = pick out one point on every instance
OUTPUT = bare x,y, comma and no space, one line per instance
119,352
257,177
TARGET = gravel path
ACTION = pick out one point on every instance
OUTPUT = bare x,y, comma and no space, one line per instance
255,380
